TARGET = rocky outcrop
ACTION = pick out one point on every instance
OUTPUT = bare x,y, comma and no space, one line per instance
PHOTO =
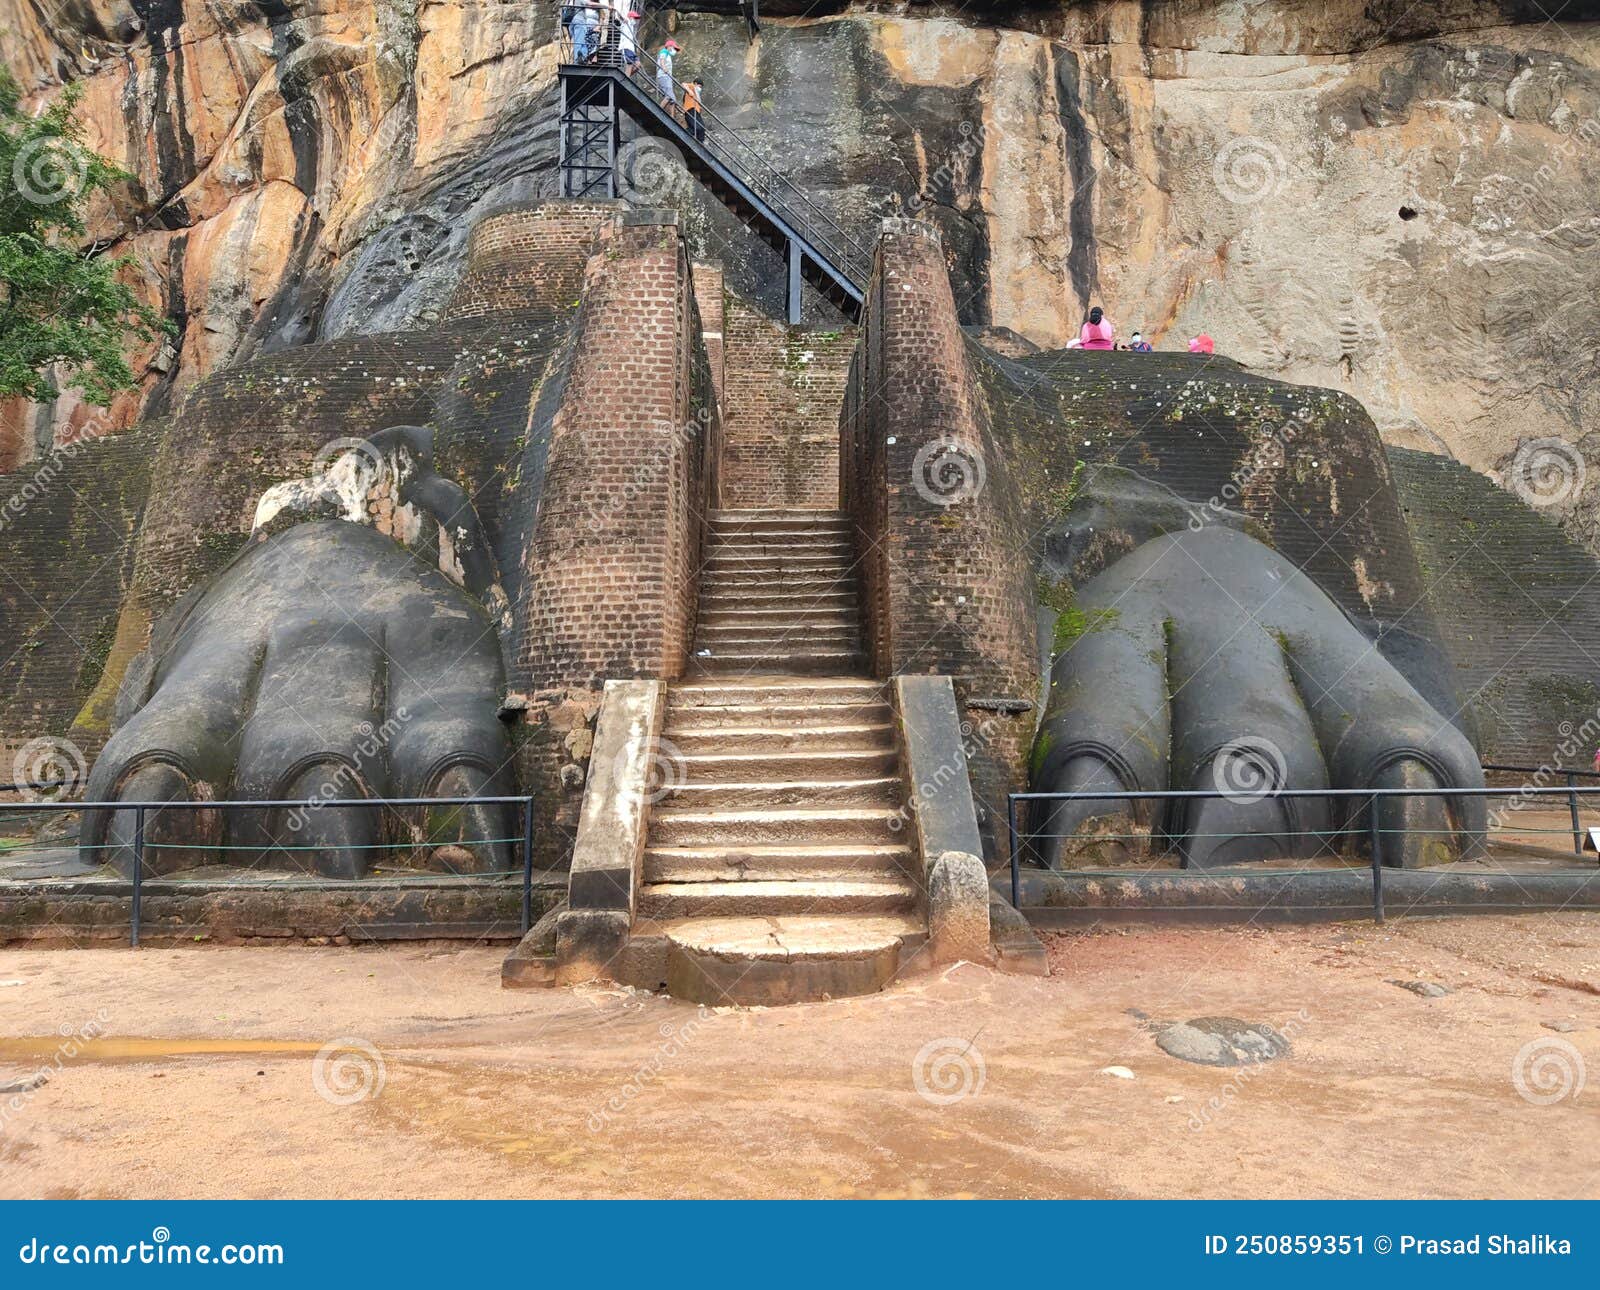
1393,200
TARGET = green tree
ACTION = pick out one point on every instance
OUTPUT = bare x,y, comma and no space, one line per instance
60,301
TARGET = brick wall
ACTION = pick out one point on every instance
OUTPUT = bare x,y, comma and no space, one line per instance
708,299
946,566
783,388
611,562
528,257
1518,604
66,561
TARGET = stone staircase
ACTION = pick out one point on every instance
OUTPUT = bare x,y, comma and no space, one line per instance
778,865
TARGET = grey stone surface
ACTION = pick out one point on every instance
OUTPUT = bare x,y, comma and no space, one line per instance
325,663
958,909
939,789
591,945
1221,1041
1423,989
614,820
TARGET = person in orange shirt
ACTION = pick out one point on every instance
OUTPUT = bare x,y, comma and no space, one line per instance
691,110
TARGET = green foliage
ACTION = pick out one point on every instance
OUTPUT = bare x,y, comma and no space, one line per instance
60,303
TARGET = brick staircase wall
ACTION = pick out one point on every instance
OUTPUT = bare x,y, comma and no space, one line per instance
947,589
784,387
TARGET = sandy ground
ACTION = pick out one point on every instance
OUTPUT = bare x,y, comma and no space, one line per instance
194,1072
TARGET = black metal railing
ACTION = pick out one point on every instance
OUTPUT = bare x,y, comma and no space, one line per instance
142,812
724,143
1019,838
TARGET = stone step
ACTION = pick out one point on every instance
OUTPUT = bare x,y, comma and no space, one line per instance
671,827
816,690
840,553
821,662
781,960
663,900
766,715
769,863
818,736
839,616
821,763
789,517
742,638
771,566
762,593
719,795
780,541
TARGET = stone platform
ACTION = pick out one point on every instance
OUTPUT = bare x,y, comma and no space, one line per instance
272,908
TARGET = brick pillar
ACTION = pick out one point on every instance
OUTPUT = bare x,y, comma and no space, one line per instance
708,298
947,561
610,566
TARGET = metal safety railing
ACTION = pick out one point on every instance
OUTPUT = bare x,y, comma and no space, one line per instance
142,811
718,139
1364,799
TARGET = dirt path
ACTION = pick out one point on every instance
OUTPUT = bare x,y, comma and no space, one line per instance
193,1072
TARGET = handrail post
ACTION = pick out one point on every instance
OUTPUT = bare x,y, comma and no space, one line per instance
138,875
1572,803
1011,835
527,865
1377,859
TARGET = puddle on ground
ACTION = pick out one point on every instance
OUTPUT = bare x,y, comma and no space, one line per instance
117,1048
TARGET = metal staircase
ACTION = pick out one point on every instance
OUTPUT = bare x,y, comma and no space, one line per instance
594,95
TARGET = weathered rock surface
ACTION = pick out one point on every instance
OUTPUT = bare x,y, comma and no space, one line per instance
1395,200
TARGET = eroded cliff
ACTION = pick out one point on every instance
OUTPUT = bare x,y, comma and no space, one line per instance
1393,200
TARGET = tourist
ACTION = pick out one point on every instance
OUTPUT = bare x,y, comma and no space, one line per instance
1139,344
1099,332
691,110
664,85
585,33
1202,344
630,41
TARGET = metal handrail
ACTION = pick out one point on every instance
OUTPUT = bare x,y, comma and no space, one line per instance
1571,792
141,812
851,254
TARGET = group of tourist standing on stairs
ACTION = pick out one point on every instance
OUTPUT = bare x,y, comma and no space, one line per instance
606,33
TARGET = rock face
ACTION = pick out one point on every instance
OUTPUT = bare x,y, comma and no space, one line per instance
1388,199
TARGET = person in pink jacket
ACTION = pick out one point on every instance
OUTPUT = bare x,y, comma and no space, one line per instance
1099,332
